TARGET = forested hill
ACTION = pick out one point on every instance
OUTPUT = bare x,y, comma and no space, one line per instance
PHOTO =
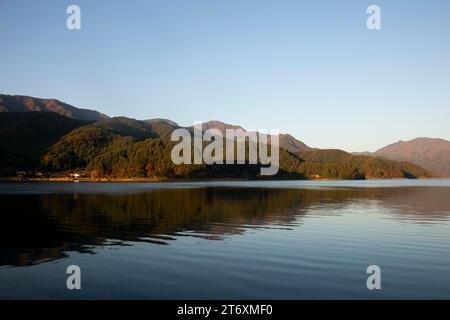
128,148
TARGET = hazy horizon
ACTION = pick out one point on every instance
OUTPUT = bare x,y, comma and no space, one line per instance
310,69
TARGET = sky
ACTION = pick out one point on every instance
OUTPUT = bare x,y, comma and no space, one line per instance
309,68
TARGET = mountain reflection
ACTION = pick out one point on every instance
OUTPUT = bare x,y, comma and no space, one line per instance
40,228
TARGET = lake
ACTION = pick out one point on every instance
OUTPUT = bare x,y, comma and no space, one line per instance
226,240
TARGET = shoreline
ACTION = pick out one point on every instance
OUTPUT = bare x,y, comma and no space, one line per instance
149,180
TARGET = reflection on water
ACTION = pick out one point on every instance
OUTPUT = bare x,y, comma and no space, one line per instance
42,228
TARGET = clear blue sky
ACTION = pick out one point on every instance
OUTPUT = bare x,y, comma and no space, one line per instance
310,68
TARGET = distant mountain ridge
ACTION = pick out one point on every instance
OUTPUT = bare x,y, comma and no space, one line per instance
222,126
19,103
287,141
430,153
16,103
168,121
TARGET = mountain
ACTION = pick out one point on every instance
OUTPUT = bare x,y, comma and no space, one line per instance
429,153
287,141
169,122
23,136
82,145
128,148
222,126
122,147
291,144
10,103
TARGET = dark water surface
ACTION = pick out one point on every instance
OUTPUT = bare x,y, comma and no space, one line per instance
232,240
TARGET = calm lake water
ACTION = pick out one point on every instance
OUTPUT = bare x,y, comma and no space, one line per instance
230,240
